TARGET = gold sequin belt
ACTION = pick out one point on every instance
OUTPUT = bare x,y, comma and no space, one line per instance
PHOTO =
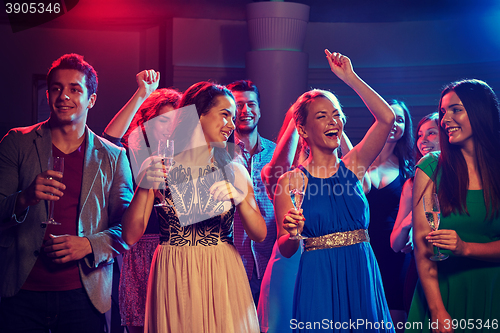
337,239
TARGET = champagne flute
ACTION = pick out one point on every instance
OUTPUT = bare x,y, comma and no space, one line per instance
296,189
166,152
433,216
56,163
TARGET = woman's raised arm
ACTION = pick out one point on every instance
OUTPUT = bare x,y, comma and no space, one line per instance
364,153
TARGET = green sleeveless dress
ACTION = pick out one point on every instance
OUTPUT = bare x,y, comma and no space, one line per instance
470,288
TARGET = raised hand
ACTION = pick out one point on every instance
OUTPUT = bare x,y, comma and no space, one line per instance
339,64
148,81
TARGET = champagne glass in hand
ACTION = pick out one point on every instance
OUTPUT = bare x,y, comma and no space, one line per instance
433,216
166,152
296,189
57,164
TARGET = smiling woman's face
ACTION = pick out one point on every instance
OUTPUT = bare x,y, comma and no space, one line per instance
455,121
163,124
218,122
399,124
428,137
324,125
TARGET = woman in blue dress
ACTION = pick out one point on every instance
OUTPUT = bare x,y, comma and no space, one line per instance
338,286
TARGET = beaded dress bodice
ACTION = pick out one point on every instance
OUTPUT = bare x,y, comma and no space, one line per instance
196,218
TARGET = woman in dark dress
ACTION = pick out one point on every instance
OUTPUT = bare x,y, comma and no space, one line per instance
387,174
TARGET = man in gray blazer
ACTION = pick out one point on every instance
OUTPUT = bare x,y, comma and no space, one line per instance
59,277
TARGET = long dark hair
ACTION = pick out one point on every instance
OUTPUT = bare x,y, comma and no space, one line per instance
204,96
404,147
481,105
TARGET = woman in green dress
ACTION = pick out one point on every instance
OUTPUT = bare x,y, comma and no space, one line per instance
460,294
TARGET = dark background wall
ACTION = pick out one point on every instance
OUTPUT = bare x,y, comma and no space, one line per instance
402,50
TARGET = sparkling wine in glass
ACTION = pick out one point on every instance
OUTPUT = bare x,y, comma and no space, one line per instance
433,216
57,164
296,189
166,152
